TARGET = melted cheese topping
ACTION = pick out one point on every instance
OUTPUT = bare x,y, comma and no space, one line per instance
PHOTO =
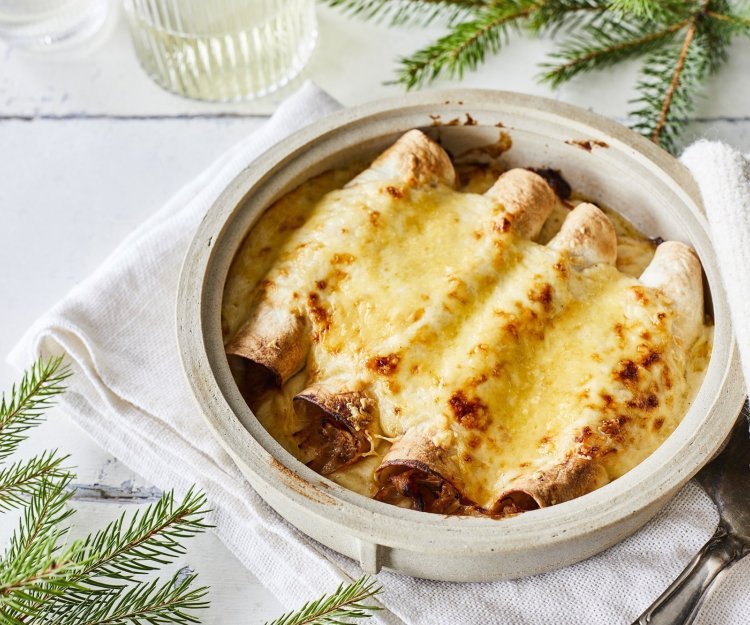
510,356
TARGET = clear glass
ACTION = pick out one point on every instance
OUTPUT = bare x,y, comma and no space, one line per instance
44,24
222,50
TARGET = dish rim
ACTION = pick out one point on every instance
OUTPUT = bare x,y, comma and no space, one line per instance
260,456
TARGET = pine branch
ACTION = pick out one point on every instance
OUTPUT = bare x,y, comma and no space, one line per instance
403,12
144,602
32,568
346,602
28,401
150,540
739,22
466,46
671,78
551,16
23,479
606,44
45,582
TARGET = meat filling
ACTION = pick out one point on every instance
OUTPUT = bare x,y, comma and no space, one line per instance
425,492
328,445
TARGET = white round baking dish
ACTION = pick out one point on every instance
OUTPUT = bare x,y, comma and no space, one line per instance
602,160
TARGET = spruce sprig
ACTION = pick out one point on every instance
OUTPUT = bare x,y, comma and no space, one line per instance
346,602
681,44
45,579
466,46
25,406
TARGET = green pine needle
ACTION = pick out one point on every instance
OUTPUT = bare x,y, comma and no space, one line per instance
47,580
601,34
466,46
346,602
33,568
28,401
602,45
149,541
672,77
23,479
412,12
152,602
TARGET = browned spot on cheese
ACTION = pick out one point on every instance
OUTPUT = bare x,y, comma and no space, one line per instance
342,259
318,312
340,275
375,217
384,365
417,314
584,435
562,269
512,329
614,427
470,412
321,284
648,401
474,441
468,457
542,295
640,294
658,423
608,399
650,358
628,371
395,192
666,378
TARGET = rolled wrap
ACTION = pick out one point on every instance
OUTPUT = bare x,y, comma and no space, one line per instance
588,236
573,477
423,473
274,339
676,271
339,420
414,159
526,200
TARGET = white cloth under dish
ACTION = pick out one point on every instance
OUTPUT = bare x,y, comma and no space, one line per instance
117,329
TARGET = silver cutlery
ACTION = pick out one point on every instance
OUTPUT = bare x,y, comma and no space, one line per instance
726,479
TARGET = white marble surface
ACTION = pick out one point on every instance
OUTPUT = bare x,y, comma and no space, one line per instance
89,148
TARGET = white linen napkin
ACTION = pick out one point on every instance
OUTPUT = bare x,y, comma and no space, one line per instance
117,329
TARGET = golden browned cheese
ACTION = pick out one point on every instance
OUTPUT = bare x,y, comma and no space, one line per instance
508,355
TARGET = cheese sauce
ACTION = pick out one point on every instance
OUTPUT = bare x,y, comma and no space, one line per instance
511,355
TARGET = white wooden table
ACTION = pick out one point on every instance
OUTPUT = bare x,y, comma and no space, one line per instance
89,147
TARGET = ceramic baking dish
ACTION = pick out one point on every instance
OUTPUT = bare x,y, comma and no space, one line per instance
603,161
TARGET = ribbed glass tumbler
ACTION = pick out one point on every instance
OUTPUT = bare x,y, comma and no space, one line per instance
222,50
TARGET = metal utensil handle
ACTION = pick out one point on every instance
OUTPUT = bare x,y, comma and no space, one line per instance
679,603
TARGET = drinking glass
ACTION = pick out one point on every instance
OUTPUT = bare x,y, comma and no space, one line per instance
222,50
41,24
